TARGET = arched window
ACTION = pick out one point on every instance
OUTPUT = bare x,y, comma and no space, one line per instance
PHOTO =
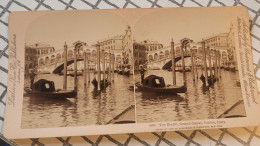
52,58
47,60
58,57
167,53
150,58
70,54
161,54
41,62
156,56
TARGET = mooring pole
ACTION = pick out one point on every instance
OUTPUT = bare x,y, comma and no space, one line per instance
109,67
192,65
85,72
219,64
210,66
173,64
195,63
103,67
215,64
183,63
98,65
113,67
88,74
65,67
205,62
75,68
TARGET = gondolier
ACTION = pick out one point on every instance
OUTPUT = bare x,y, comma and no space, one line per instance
142,71
32,76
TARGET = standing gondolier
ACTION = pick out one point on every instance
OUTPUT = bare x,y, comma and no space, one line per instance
32,76
142,71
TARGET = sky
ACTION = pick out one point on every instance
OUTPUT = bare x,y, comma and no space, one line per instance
161,25
87,26
176,24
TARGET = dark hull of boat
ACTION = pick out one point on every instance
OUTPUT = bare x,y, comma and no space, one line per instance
62,94
164,90
120,72
127,73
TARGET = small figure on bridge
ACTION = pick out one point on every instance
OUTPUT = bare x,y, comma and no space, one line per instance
32,76
142,71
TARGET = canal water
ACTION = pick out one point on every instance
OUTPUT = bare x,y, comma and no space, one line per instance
89,108
92,108
196,104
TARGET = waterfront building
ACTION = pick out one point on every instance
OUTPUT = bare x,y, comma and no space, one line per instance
32,53
113,45
218,42
141,50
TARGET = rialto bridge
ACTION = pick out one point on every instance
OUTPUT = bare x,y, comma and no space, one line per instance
54,61
161,59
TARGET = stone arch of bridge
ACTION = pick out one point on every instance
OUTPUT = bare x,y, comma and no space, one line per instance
168,64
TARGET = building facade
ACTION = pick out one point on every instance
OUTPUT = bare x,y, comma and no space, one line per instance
32,53
218,41
142,49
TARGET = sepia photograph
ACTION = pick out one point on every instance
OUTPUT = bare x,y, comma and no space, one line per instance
92,72
77,71
185,66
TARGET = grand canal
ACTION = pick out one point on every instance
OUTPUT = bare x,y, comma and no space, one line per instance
197,103
92,108
89,108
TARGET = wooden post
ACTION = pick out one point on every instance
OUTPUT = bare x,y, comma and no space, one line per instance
113,67
210,66
65,67
85,72
75,69
98,65
192,65
205,62
195,64
88,73
103,67
219,64
109,68
215,64
173,63
137,61
183,62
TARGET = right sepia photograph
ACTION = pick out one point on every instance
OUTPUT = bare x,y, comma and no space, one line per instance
185,66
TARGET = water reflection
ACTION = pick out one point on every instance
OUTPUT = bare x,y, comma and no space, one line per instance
90,107
199,102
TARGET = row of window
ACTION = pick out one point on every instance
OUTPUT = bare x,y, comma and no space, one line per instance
212,40
107,42
39,51
109,47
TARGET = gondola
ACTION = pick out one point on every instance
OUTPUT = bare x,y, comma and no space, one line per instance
155,83
46,89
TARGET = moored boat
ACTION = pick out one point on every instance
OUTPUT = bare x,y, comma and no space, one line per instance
155,83
46,89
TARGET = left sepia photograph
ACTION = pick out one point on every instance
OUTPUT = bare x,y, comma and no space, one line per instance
78,71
